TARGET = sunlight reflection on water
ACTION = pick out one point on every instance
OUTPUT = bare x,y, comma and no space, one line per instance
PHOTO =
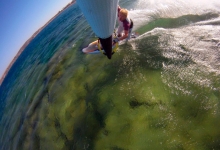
160,91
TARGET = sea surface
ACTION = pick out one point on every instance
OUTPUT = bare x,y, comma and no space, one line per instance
159,91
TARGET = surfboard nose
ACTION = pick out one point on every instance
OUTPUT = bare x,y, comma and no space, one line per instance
107,46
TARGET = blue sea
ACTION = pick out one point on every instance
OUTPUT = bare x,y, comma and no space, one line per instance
159,91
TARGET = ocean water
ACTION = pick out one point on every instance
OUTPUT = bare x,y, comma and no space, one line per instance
159,91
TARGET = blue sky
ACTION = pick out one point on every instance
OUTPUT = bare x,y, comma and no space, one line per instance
19,19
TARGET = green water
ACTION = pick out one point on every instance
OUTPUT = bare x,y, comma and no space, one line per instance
160,91
88,102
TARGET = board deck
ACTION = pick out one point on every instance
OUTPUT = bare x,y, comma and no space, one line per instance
92,48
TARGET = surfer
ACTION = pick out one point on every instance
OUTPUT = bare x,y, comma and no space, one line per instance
125,25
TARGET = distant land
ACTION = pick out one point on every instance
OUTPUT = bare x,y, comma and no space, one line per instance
30,39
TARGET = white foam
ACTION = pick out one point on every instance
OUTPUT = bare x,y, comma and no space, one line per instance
145,11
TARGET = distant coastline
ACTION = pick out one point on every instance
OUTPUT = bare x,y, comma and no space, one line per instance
29,40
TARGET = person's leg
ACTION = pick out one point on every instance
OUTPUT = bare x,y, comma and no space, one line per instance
120,28
129,35
119,32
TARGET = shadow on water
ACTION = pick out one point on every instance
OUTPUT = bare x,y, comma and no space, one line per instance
93,119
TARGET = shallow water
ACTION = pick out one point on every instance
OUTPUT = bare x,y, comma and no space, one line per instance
159,91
